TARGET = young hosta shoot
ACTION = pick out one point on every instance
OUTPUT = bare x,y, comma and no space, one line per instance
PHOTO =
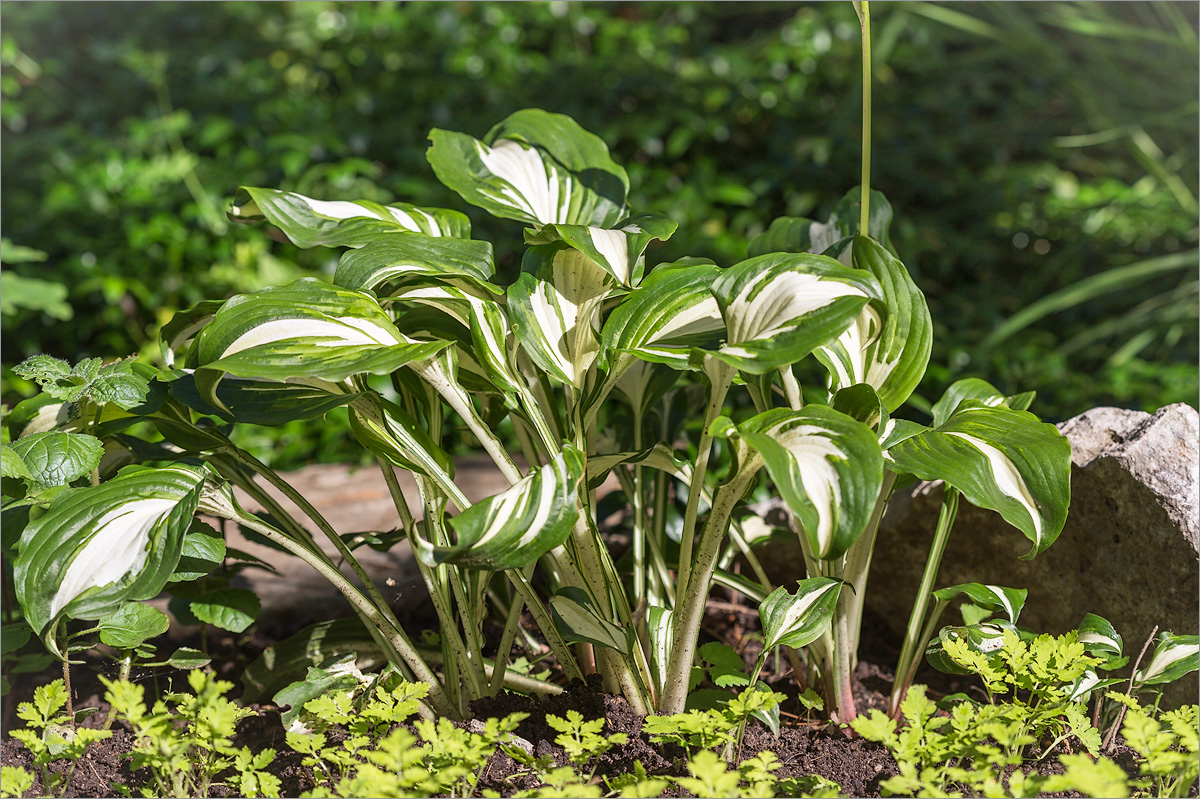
1174,656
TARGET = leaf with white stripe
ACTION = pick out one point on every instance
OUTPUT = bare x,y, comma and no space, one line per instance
798,619
660,457
259,401
577,619
393,434
302,332
513,529
973,388
341,223
797,234
984,638
993,598
827,467
1000,459
534,167
96,548
1101,639
619,251
780,307
658,628
888,344
555,304
1175,656
664,318
391,261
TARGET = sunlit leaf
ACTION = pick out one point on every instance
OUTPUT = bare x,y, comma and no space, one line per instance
993,598
1174,657
798,619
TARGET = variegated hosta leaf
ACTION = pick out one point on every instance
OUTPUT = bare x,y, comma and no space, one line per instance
619,251
1175,656
390,432
658,457
828,469
302,332
1000,459
183,327
888,344
798,619
663,319
401,260
513,529
96,548
780,307
1101,639
658,628
994,598
555,304
340,223
534,167
985,638
258,401
973,388
485,319
1088,683
862,402
578,620
796,234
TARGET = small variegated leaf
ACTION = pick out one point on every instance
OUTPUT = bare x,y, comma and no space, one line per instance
798,619
671,312
889,342
534,167
96,548
401,260
1175,656
1099,637
1088,683
796,234
994,598
658,628
55,458
183,327
780,307
1000,459
340,223
578,620
828,468
618,251
660,457
984,638
556,307
516,527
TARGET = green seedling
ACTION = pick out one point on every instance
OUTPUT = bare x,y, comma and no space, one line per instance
51,735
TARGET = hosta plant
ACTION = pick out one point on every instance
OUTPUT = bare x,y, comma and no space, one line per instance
680,381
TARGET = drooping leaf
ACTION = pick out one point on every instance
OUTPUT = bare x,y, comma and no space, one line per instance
1174,657
577,620
1099,637
393,434
618,251
828,468
257,402
516,527
658,457
798,619
1000,459
397,261
232,609
888,344
340,223
534,167
973,388
993,598
132,624
780,307
96,548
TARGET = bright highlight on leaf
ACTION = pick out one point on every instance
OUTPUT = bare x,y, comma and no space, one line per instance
798,619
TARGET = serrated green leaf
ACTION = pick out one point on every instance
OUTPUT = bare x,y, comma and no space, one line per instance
131,624
203,550
13,465
55,458
232,609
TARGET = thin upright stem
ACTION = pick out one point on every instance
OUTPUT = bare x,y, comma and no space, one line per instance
865,212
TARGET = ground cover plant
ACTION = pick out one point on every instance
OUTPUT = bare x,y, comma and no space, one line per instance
588,366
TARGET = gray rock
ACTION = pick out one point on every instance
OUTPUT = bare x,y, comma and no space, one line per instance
1128,551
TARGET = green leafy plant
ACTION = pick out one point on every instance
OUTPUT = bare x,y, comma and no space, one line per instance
50,735
1167,746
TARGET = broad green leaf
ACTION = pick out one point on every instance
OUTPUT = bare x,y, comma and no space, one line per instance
1175,656
232,609
185,658
828,468
973,388
203,550
1099,637
57,458
1000,459
672,311
993,598
798,619
888,344
534,167
984,638
619,251
555,305
306,331
862,402
258,402
13,466
797,234
13,636
395,261
132,624
516,527
578,620
780,307
96,548
340,223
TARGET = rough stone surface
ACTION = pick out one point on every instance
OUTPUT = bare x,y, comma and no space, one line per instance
1128,551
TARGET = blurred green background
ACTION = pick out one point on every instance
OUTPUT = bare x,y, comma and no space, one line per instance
1030,150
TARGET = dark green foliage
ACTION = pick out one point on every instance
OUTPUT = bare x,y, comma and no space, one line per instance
129,126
